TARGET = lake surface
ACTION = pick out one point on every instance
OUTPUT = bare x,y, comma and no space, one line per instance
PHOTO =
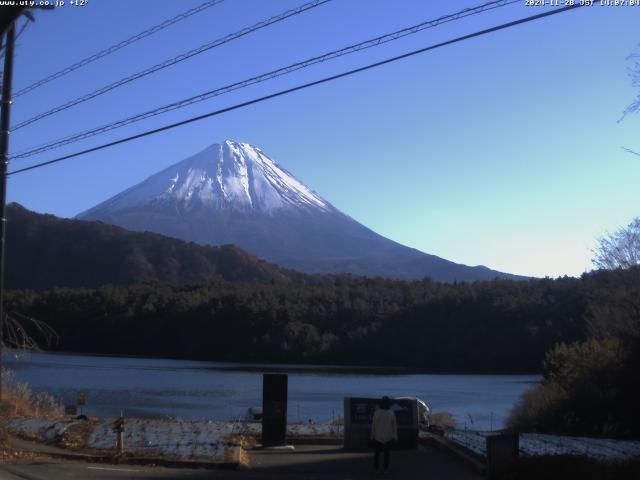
142,387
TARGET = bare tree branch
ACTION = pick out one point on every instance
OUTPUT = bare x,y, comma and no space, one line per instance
634,74
620,249
628,150
17,327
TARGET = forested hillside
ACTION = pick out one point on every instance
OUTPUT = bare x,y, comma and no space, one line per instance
499,326
44,251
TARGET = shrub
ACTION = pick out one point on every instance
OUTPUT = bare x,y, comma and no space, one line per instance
443,420
588,389
539,409
19,399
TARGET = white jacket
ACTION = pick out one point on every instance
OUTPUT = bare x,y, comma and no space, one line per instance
384,428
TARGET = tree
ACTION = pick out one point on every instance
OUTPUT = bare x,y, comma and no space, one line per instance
634,73
590,387
634,106
620,249
614,304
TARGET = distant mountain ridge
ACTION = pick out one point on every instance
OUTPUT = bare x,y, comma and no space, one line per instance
233,193
44,251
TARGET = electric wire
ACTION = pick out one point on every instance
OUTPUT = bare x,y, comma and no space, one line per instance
114,48
301,87
31,151
173,61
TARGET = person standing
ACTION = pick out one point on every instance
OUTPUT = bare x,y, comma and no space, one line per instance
384,430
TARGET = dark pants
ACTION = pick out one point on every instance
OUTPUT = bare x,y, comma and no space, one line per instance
381,447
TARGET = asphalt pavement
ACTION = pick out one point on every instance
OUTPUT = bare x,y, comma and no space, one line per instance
306,462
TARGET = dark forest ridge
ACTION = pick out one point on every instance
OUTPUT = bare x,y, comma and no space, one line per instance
45,251
500,326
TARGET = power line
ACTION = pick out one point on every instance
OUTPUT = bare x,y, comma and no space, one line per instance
107,51
300,87
172,61
264,77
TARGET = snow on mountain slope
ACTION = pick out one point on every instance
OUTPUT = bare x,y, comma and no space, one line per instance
228,175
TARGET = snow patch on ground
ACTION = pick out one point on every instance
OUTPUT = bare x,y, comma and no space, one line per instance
44,428
175,438
193,440
532,444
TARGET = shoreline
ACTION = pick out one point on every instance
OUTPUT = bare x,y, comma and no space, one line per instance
267,367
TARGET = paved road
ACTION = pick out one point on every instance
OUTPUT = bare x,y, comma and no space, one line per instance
59,470
312,462
307,462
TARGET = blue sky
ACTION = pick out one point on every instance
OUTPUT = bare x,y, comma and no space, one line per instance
504,150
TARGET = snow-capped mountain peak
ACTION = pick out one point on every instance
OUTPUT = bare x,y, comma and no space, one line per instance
233,193
229,175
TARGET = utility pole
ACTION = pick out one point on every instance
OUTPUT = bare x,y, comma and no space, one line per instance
5,111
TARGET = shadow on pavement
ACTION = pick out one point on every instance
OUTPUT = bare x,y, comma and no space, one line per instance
306,462
309,461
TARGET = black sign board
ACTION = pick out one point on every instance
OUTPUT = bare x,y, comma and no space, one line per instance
70,410
362,410
274,409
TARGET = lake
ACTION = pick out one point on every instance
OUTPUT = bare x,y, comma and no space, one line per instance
143,387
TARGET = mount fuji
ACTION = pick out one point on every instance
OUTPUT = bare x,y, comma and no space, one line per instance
233,193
